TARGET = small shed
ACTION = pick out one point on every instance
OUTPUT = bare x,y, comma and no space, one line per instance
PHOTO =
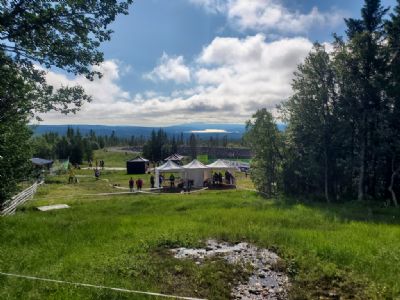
137,165
176,158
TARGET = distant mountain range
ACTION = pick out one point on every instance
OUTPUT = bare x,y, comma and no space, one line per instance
203,130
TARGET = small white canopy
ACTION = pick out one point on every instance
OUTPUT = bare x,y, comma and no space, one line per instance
220,165
174,157
195,165
169,166
197,172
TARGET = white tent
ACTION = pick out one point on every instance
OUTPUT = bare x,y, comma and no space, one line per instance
223,165
168,167
197,172
220,165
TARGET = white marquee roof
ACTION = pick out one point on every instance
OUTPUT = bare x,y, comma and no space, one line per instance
195,165
169,166
220,164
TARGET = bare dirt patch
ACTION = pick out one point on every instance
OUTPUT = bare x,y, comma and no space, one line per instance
265,280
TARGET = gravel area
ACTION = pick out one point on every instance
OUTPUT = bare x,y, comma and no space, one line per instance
263,283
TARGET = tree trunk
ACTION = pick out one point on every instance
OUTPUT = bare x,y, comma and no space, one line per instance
326,179
363,153
395,172
361,179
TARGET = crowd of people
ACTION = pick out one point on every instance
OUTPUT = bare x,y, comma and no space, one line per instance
183,184
97,164
218,179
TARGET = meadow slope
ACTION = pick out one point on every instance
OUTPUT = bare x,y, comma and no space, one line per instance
123,241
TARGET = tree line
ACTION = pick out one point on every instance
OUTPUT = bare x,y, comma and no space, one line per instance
78,148
342,139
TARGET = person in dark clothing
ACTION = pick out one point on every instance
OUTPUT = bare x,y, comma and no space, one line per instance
220,178
227,177
139,184
189,184
97,174
152,181
131,184
172,180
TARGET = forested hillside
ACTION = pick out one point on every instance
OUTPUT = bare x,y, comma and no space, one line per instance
342,140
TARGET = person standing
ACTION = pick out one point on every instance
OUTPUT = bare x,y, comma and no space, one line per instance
131,184
97,173
71,176
172,180
152,181
139,184
227,178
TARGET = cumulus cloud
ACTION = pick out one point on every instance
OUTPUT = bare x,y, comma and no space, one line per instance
170,68
232,77
270,15
212,6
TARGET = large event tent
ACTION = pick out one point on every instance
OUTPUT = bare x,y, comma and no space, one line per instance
220,165
197,172
168,167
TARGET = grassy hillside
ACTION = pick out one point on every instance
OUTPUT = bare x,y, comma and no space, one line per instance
123,241
113,159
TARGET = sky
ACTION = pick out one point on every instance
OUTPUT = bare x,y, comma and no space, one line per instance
215,61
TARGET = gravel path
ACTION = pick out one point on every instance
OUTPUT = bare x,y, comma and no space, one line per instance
263,283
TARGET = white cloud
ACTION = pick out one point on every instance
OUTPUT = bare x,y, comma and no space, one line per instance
212,6
270,15
232,78
101,89
170,68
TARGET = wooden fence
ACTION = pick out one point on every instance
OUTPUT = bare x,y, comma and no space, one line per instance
9,207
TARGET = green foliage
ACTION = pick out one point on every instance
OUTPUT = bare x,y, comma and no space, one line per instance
36,34
341,140
15,153
311,115
203,158
159,146
193,145
73,146
123,241
64,34
265,140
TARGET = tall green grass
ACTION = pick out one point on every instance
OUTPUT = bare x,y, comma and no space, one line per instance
121,241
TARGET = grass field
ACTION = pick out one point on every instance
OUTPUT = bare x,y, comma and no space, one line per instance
122,241
112,158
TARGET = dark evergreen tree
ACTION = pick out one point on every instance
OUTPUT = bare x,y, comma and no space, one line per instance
193,146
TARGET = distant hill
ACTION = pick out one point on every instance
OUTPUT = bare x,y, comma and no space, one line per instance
203,130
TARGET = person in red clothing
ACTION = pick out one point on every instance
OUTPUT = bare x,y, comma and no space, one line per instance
131,184
139,184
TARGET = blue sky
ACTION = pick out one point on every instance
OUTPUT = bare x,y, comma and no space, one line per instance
180,61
